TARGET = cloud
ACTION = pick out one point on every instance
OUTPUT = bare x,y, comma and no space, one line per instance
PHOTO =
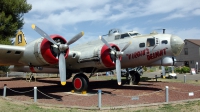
189,33
46,6
58,14
173,9
196,12
73,11
65,17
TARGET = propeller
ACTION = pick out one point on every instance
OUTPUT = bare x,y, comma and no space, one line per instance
116,55
61,48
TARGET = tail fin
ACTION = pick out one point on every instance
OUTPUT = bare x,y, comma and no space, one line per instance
20,39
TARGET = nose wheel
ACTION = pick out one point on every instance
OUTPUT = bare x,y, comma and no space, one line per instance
80,82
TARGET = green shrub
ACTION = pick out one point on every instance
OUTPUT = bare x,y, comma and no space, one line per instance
177,70
145,68
166,68
151,70
185,69
4,68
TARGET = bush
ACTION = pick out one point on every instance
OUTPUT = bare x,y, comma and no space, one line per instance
177,70
4,68
166,68
145,68
185,69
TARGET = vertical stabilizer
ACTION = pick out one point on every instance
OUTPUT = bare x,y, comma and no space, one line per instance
20,39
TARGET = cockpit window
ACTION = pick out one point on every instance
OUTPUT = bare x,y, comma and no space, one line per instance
164,42
117,37
150,42
124,35
134,34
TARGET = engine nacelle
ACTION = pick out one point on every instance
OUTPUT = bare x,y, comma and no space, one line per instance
165,61
101,57
105,55
41,52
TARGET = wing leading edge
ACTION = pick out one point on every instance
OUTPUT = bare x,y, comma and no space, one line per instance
10,55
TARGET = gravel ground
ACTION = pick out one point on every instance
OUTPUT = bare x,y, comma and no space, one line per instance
51,92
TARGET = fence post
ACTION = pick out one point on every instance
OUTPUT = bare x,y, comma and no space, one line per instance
167,94
4,90
97,75
197,68
163,70
184,78
35,94
156,78
99,99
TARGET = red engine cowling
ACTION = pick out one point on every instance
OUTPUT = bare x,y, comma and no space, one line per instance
47,51
106,57
41,52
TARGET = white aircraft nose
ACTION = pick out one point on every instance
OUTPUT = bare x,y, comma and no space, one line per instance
177,44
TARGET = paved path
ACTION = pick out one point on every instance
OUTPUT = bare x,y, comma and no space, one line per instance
179,76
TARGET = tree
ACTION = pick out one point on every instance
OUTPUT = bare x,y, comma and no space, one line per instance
11,18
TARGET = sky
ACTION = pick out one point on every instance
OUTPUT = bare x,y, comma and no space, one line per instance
96,17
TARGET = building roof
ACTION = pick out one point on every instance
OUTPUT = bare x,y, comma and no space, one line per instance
195,41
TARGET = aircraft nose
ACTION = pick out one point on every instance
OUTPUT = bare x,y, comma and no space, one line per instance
177,44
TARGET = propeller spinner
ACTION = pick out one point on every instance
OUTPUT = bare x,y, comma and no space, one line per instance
116,55
61,48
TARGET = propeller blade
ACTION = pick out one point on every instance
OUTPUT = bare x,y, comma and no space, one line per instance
105,42
118,70
126,46
62,69
42,33
75,38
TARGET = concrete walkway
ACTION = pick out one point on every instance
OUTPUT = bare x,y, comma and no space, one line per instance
179,76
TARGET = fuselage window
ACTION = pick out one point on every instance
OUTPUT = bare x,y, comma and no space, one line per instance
117,37
164,42
150,42
142,45
17,52
8,51
124,35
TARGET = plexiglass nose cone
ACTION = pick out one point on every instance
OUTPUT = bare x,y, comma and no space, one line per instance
177,45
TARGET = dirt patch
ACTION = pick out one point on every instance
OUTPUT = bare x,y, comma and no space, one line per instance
51,92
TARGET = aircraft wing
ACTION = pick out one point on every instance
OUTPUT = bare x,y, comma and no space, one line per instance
10,55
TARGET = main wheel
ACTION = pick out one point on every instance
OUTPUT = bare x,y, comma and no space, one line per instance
80,82
135,77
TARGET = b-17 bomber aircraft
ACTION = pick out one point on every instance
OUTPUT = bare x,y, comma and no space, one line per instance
116,50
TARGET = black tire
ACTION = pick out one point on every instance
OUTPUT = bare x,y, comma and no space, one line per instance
135,77
84,76
170,77
80,82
